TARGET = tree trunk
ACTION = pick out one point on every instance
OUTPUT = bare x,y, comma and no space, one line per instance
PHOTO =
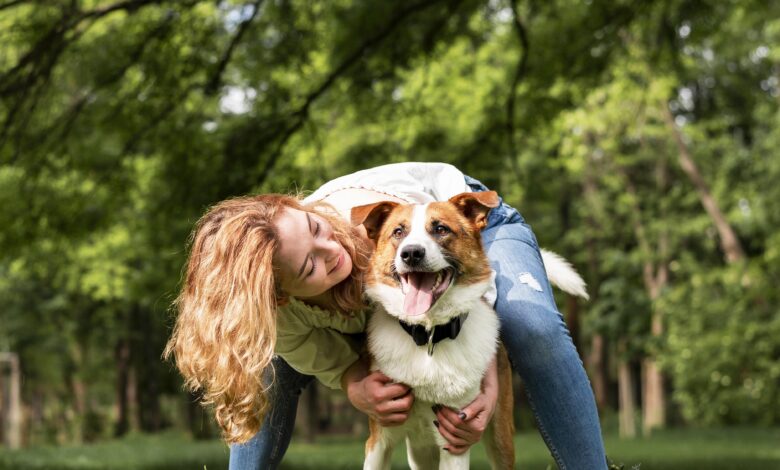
78,391
122,357
146,357
132,400
78,395
653,396
309,412
729,242
4,389
627,407
572,317
655,278
573,323
596,360
597,369
197,418
12,425
653,392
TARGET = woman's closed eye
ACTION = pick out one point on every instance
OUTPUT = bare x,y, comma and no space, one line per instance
316,234
313,267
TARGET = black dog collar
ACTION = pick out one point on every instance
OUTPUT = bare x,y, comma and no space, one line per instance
421,336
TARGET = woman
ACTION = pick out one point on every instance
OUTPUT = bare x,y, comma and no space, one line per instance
274,282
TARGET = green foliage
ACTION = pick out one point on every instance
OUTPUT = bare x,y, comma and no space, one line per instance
722,346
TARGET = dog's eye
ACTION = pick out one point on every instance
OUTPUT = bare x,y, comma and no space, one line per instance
398,232
442,230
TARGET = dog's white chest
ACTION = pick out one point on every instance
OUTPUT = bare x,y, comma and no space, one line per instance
453,373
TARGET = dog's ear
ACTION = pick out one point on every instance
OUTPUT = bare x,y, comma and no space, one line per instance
475,206
372,216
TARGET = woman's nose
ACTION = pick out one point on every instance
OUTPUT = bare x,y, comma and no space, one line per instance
330,246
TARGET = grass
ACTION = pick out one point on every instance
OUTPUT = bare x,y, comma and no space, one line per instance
720,449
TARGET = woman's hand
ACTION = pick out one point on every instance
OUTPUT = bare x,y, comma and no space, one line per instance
464,428
376,395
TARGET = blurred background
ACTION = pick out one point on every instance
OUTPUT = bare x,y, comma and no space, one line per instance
639,139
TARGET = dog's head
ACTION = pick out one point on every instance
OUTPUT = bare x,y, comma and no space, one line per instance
429,265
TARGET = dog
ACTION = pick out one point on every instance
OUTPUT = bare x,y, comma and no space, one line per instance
431,327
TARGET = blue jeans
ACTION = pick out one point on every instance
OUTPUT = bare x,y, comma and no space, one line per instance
535,337
539,345
266,448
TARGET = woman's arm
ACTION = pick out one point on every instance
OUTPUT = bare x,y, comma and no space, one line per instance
464,428
376,395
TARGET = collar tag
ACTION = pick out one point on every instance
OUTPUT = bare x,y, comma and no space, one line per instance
431,344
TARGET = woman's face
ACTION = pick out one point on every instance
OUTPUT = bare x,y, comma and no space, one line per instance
310,260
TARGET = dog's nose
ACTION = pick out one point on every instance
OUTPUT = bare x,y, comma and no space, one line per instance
412,254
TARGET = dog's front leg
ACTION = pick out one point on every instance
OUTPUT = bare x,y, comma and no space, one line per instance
449,461
380,444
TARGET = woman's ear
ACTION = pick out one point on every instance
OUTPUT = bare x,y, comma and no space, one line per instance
372,216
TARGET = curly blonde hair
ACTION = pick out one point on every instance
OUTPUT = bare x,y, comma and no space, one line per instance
225,332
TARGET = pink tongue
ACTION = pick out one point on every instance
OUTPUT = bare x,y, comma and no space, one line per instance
419,296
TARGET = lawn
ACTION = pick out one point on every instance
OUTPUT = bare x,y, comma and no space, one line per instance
676,449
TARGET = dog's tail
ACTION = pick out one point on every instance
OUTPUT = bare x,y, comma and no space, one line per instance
562,275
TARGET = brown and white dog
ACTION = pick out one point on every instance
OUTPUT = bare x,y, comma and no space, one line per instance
431,327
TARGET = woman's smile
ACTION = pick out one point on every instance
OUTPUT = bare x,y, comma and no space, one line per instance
339,261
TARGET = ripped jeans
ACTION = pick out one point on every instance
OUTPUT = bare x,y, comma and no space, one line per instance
535,337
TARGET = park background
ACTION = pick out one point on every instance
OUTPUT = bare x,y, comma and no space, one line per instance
640,140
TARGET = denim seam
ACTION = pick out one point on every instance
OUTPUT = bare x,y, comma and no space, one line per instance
275,457
543,431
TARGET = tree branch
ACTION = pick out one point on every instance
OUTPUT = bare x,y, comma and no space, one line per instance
729,242
68,118
132,143
520,71
50,45
38,78
216,79
12,4
302,113
56,39
128,5
35,67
